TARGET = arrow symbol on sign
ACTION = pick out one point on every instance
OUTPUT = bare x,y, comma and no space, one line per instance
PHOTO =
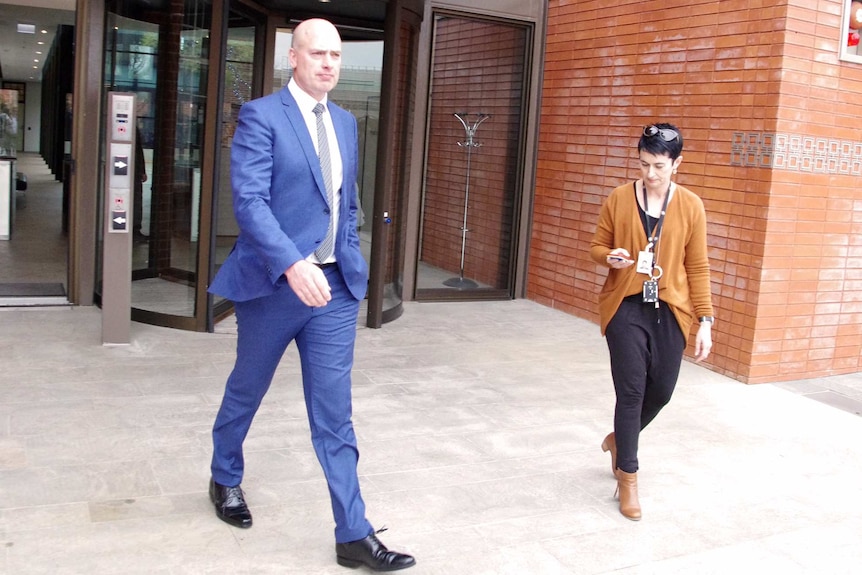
120,164
120,220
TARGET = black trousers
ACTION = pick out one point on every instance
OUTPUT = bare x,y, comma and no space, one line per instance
646,347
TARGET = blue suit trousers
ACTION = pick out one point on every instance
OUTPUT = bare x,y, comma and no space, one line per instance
325,339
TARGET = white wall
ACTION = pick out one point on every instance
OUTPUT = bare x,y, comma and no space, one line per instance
32,116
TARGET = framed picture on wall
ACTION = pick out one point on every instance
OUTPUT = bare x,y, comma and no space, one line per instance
21,87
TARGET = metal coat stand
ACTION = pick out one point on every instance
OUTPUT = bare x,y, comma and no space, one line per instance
464,117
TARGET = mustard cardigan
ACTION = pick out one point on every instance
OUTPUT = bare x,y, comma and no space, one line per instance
681,251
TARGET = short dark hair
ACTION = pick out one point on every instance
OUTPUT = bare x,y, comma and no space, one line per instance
657,145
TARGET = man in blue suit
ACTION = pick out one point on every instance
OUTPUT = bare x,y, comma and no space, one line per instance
296,274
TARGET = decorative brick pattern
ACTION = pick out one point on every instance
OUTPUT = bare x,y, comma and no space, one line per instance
796,152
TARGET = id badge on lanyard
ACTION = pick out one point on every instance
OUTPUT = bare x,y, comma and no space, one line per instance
647,258
647,266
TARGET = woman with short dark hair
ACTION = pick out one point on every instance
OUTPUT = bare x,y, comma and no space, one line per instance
651,233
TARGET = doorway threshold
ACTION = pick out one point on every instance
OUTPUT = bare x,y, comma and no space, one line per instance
32,294
32,289
13,301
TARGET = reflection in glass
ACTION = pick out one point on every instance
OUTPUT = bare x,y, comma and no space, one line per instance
238,89
9,135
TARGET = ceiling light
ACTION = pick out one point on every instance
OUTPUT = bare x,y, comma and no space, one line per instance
27,28
44,31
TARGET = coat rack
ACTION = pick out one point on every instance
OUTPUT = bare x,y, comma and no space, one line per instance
464,117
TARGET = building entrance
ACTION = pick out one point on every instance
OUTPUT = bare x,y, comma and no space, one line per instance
471,190
192,67
34,95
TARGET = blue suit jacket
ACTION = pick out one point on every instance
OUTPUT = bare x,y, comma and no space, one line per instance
279,199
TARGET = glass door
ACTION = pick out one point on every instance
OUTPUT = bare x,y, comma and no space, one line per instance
241,84
358,92
393,170
190,67
475,131
164,61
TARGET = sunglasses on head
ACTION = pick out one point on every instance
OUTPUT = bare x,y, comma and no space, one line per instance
666,134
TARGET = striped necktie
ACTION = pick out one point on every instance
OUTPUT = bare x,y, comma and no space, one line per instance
324,251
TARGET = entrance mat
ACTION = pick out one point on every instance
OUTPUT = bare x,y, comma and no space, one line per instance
32,290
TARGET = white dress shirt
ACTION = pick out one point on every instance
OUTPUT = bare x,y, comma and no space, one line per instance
306,105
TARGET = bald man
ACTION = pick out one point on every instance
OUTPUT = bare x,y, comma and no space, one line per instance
296,274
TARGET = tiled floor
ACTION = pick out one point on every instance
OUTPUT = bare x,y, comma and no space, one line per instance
479,428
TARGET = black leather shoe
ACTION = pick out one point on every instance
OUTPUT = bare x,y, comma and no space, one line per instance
230,505
373,554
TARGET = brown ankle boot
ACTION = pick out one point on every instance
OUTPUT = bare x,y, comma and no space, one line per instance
610,444
627,487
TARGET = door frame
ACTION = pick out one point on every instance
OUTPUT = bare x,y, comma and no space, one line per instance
534,14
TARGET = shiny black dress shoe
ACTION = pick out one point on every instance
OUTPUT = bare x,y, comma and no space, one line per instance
230,505
373,554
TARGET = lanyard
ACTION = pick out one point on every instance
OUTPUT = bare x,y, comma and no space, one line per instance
653,236
645,258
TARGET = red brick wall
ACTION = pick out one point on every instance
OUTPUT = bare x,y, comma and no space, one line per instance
478,67
811,289
745,81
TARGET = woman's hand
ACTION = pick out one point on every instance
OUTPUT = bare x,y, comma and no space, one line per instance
619,258
703,341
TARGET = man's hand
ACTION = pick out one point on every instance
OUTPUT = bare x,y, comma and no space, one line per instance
703,342
308,283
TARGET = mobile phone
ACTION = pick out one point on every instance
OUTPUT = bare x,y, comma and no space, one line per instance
615,258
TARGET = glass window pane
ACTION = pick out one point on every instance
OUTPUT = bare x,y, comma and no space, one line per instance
238,89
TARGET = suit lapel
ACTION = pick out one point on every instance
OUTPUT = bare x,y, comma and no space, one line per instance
297,122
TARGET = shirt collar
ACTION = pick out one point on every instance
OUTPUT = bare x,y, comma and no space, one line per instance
305,102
